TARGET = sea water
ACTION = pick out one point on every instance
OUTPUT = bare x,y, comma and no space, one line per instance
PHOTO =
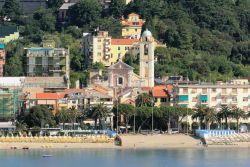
126,158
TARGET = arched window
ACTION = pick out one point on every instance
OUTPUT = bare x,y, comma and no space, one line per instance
145,49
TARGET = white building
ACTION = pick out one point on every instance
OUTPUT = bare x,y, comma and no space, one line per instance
213,95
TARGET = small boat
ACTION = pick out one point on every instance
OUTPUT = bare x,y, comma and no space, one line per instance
118,141
45,156
25,148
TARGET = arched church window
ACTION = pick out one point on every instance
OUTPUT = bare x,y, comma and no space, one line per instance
145,49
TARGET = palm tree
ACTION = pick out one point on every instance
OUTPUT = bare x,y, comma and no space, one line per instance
99,112
144,99
237,114
210,116
224,114
199,114
62,117
74,114
127,111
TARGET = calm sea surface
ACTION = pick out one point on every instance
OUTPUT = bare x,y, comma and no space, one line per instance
127,158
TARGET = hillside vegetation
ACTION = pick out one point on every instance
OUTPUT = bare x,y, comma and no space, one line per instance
206,40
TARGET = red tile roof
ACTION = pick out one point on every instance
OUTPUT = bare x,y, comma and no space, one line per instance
123,41
162,90
50,96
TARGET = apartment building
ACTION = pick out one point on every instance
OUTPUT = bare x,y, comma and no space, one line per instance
2,59
97,47
100,47
132,26
213,95
46,61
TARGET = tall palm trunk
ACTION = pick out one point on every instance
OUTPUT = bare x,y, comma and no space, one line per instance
237,125
226,122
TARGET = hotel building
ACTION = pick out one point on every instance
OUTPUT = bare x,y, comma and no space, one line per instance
213,95
46,61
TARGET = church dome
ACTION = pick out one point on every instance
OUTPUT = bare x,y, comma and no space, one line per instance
146,33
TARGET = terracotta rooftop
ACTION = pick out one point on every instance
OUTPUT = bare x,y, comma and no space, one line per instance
123,41
50,96
162,90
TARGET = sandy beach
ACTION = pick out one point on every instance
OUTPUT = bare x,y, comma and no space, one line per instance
128,142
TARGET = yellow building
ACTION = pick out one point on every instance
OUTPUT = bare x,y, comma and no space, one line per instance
96,47
100,47
132,26
120,47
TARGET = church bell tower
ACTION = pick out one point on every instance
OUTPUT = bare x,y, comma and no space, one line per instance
147,58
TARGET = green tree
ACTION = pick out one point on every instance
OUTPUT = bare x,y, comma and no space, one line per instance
45,19
62,117
85,12
39,116
117,8
73,115
200,115
11,9
99,112
144,99
224,114
237,114
127,111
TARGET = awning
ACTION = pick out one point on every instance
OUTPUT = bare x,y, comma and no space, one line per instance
183,98
203,97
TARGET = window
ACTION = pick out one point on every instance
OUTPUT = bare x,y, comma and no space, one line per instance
234,99
185,90
223,91
245,90
234,90
163,99
213,90
145,49
194,99
99,40
120,81
213,98
119,48
99,54
245,98
127,30
204,90
136,30
245,108
194,90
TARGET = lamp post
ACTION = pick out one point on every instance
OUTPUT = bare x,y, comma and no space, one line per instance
187,121
152,110
117,117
